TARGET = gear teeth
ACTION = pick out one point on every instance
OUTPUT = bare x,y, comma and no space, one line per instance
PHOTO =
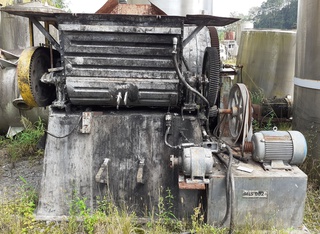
33,63
213,68
214,38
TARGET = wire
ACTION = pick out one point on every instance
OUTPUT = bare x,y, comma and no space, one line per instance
59,137
232,191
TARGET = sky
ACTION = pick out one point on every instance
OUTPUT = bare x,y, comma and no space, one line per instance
221,7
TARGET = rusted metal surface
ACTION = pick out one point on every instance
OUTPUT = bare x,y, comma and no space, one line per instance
113,7
40,12
275,110
214,37
209,20
192,186
108,7
225,111
248,147
128,9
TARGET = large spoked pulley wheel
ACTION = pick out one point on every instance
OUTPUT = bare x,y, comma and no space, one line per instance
211,70
33,63
240,117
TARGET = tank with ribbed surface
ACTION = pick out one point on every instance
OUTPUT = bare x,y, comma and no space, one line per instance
268,58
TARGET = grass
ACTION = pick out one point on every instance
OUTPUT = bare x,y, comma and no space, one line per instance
257,96
18,217
312,208
24,144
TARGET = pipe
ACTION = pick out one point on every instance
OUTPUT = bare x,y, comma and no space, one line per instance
166,140
31,34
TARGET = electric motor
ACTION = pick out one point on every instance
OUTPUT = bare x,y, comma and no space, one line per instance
288,146
197,162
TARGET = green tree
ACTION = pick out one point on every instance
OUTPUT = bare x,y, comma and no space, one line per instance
57,3
63,4
280,14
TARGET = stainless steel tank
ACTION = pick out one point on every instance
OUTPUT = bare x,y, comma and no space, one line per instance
307,81
183,7
242,26
14,32
194,51
137,1
268,58
9,114
179,7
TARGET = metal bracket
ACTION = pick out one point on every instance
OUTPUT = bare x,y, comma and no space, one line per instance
86,122
46,34
192,35
104,167
187,184
276,164
8,59
119,98
140,171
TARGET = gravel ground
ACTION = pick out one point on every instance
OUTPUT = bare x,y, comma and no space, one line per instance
13,175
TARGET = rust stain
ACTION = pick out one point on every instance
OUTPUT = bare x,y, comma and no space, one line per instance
184,185
113,7
277,138
108,7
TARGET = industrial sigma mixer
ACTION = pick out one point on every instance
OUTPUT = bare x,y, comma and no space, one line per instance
129,120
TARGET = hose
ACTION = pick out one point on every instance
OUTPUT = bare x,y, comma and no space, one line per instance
230,191
185,83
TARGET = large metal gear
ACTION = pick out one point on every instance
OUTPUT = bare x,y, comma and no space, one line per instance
33,63
214,38
211,69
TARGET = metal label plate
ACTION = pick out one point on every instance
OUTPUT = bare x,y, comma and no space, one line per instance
254,194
